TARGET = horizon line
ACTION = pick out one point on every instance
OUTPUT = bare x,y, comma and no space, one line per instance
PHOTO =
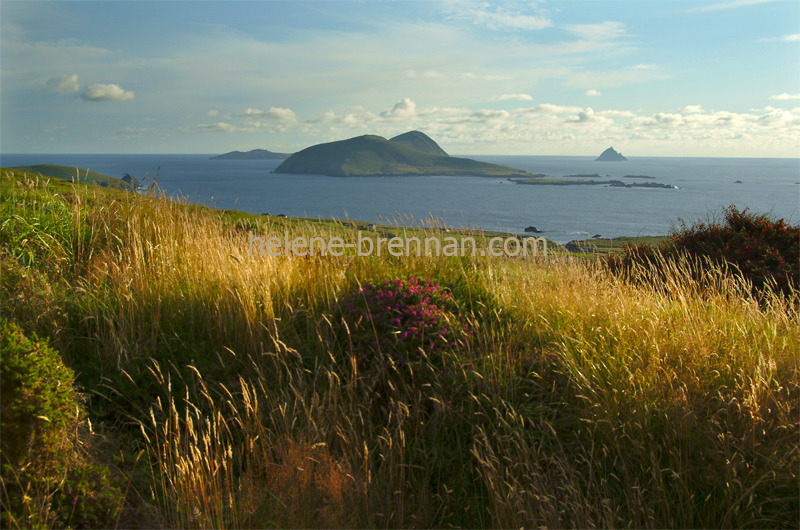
452,155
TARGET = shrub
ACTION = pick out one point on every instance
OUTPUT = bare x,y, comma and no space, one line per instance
764,251
46,480
36,392
402,323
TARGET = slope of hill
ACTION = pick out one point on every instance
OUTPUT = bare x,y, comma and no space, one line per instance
371,155
81,175
419,141
255,154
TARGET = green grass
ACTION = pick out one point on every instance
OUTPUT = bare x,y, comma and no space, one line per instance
606,246
580,400
75,174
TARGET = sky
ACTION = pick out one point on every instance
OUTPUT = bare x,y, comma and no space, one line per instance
651,78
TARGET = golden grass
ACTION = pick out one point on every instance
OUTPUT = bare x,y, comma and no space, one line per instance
582,400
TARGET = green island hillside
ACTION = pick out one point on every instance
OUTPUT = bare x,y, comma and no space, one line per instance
76,174
159,370
419,141
254,154
409,154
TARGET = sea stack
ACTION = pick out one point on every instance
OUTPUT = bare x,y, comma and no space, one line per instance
609,155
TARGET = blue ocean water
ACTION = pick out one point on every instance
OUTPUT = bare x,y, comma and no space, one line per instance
564,213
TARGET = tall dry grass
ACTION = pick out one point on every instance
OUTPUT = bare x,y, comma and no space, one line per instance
581,400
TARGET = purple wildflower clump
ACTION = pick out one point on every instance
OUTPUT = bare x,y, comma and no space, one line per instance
404,322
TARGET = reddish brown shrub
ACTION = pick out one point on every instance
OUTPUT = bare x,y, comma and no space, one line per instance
764,251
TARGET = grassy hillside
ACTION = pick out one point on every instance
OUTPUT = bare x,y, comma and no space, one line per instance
255,154
420,142
227,390
76,174
371,155
606,246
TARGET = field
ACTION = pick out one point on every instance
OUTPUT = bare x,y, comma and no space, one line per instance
214,388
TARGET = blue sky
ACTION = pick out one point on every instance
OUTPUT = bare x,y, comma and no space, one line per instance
652,78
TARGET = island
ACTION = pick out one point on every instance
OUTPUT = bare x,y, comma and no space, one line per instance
610,155
409,154
255,154
587,180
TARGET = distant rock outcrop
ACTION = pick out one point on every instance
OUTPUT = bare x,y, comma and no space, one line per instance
255,154
610,155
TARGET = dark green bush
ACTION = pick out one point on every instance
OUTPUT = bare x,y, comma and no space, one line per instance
47,480
38,401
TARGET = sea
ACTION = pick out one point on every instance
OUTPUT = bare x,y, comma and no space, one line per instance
702,188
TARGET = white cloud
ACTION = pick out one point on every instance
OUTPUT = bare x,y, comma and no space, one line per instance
212,113
508,97
442,112
109,92
721,6
403,109
273,113
794,37
549,108
593,92
597,32
485,115
220,126
427,73
767,119
138,132
660,119
485,77
357,119
500,18
637,73
63,84
786,96
588,116
613,113
550,126
513,21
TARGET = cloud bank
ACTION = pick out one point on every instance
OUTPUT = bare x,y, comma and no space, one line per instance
102,92
63,84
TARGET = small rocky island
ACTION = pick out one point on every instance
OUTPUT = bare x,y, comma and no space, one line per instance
409,154
610,155
255,154
589,180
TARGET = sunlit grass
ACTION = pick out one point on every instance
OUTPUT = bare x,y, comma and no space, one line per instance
580,399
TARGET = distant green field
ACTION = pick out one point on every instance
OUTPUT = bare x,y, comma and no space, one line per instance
79,175
603,246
